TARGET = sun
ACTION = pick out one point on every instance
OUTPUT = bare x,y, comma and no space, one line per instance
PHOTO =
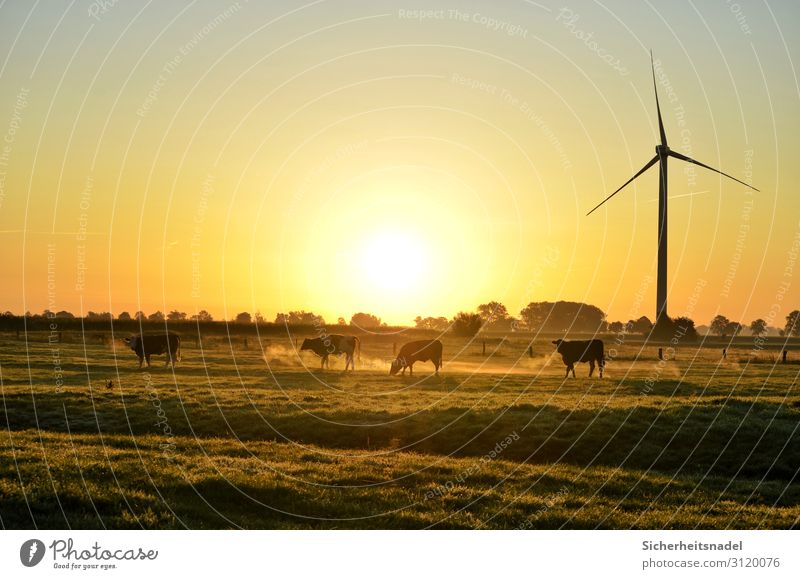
394,261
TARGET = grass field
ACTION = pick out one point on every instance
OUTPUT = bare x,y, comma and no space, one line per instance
252,438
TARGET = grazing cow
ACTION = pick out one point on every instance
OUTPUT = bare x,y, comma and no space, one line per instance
146,345
419,351
581,351
335,344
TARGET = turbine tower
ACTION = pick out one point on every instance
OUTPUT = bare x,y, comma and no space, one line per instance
663,152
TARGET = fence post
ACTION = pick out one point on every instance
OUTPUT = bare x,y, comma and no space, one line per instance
661,353
484,347
724,353
530,351
784,356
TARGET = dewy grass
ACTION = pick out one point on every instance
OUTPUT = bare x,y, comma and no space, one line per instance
235,439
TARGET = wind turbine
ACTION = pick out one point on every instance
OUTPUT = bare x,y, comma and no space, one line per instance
663,152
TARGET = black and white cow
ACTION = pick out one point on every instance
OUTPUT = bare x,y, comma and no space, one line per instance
418,351
335,344
581,351
156,343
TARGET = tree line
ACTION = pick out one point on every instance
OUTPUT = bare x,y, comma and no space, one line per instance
293,318
547,317
576,317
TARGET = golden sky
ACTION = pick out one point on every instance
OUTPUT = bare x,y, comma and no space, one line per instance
397,158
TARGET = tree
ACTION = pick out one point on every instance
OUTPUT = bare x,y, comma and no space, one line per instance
616,327
124,317
362,320
734,329
758,327
243,318
641,326
258,318
300,318
719,325
139,316
202,316
99,316
493,314
430,323
677,330
175,316
562,317
684,329
466,324
341,321
792,327
156,317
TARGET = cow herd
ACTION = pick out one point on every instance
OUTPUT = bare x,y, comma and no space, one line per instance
169,343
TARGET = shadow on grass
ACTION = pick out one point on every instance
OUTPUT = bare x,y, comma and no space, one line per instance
733,439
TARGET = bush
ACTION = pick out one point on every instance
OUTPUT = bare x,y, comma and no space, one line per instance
679,330
362,320
466,324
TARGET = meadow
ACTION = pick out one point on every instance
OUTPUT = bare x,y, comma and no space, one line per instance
256,436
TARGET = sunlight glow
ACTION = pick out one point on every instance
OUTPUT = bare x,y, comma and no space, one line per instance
393,261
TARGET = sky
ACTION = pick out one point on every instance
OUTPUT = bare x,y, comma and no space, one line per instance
397,158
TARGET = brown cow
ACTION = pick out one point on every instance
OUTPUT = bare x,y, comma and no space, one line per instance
156,343
419,351
581,351
335,344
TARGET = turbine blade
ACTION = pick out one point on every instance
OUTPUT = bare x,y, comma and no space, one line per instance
690,160
658,108
650,163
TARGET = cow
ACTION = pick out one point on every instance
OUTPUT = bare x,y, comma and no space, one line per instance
581,351
146,345
335,344
419,351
